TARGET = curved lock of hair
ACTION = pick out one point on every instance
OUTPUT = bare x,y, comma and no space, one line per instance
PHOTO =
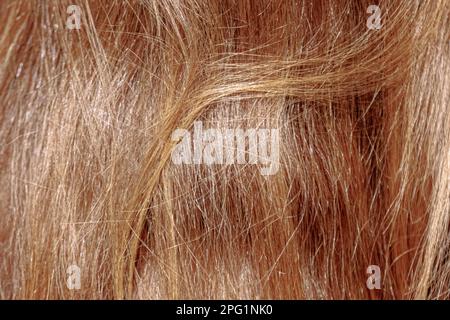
88,112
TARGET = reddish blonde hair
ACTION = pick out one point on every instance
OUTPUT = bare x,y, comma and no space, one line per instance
86,120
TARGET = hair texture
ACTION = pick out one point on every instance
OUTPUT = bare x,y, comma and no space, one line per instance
86,120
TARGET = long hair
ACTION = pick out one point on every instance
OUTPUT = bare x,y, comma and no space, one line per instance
92,92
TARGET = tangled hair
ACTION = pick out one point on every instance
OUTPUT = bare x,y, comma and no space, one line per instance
87,117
